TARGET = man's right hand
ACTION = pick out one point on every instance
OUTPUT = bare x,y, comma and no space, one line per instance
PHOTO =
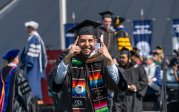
74,50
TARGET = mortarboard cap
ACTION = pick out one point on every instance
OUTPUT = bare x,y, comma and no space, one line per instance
125,51
10,54
32,24
86,27
106,14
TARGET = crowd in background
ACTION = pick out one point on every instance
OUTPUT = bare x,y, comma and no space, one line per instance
155,64
20,86
144,73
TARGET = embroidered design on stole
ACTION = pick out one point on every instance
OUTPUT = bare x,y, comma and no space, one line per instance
98,91
78,88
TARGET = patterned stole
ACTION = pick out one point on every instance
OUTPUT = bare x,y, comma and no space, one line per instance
97,88
87,81
5,89
78,88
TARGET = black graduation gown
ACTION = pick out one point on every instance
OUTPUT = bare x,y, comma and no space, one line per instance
63,90
19,99
132,101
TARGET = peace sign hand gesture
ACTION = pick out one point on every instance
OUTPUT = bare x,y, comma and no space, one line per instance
104,51
74,50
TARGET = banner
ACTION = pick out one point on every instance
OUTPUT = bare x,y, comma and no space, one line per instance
69,37
142,36
175,32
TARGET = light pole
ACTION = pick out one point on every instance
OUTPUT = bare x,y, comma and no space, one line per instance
62,19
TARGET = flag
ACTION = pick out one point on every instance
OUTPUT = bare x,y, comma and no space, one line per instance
69,37
143,35
175,32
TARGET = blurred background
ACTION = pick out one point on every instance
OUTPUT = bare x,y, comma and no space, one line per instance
55,17
13,14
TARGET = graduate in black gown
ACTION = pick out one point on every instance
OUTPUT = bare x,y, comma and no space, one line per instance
15,90
83,75
137,85
109,37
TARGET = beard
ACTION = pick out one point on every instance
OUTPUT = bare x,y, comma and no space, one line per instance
89,55
123,64
85,55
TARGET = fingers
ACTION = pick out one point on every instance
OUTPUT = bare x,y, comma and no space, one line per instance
76,41
102,43
74,50
77,50
101,38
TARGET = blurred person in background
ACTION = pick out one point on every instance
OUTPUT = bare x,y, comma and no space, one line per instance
108,33
34,59
154,79
160,51
174,64
122,35
175,71
160,59
131,101
173,81
136,57
156,57
15,93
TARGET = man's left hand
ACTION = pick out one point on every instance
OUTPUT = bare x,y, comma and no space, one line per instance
104,51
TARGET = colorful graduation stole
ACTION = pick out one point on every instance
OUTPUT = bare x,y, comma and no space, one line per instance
5,89
96,86
78,87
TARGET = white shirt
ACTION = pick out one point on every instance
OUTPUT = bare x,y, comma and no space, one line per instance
12,64
150,70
